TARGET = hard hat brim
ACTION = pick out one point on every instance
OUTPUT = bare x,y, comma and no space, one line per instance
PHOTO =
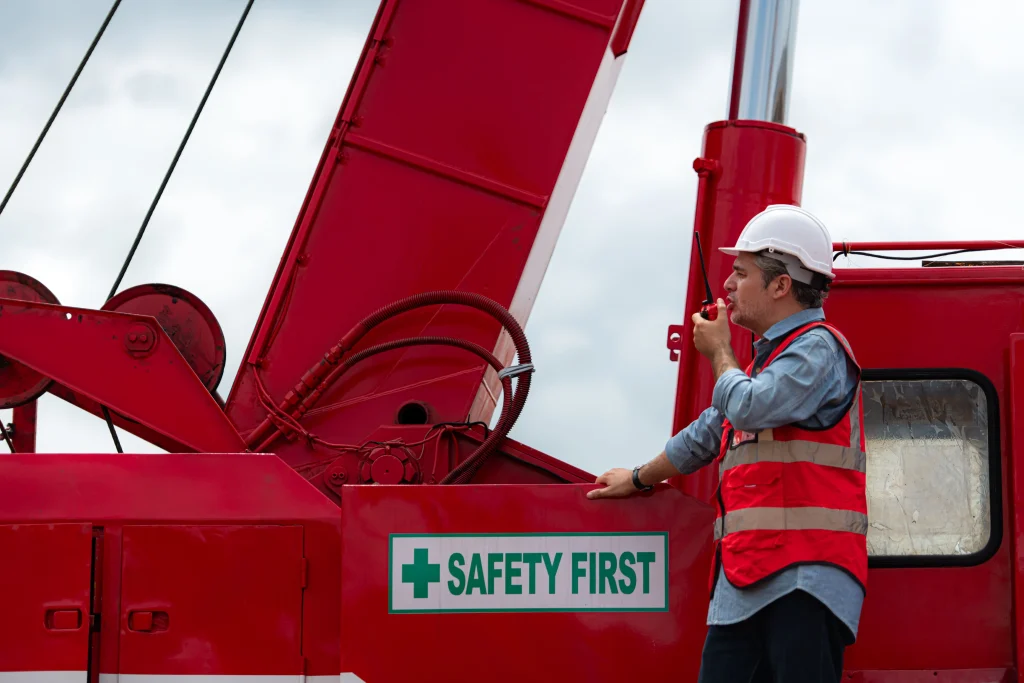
736,251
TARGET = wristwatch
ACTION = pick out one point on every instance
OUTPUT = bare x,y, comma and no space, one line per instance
636,480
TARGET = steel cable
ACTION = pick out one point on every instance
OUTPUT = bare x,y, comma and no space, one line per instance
167,177
177,155
60,103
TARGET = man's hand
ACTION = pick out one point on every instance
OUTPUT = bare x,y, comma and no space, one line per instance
712,336
618,484
713,339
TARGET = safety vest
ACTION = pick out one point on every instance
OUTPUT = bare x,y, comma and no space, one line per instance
789,496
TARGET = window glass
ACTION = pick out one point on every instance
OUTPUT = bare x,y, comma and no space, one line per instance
928,475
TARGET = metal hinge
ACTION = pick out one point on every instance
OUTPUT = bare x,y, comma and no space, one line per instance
675,341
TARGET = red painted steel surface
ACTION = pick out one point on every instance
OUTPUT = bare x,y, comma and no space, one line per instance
23,419
19,384
187,321
749,164
933,676
132,368
45,578
1016,487
238,610
504,646
118,493
140,430
917,617
520,464
915,246
429,453
461,138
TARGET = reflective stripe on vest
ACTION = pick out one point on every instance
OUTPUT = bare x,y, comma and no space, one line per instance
799,451
763,447
793,519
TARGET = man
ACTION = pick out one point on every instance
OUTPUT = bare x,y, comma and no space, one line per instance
790,563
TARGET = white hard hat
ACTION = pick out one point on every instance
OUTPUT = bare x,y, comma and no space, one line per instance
795,237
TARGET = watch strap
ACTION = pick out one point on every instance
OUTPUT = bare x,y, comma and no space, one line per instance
636,480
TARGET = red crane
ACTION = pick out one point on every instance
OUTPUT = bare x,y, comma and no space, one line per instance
349,509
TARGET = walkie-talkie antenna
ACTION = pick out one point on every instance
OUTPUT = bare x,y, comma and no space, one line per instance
708,309
700,255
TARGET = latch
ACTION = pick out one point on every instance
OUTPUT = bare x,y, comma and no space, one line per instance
63,619
147,621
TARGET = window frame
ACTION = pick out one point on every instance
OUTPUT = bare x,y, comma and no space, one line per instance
995,468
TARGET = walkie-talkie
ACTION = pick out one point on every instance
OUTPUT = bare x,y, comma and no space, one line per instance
708,309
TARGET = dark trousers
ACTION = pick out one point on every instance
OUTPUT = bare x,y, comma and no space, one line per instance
794,639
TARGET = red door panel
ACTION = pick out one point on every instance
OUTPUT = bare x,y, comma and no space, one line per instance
211,600
45,572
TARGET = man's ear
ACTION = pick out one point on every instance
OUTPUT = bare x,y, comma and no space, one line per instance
782,286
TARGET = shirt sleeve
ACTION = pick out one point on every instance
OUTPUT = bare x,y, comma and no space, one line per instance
698,444
809,373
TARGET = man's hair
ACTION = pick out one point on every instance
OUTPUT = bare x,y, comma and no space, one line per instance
772,268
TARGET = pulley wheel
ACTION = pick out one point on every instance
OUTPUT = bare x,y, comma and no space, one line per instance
188,322
19,384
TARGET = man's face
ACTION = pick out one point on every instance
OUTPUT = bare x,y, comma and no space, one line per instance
749,302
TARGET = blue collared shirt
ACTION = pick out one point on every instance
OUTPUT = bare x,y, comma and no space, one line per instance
810,383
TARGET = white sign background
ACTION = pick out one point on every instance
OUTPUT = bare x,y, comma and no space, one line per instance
440,547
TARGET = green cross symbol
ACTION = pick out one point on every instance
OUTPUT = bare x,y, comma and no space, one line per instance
421,573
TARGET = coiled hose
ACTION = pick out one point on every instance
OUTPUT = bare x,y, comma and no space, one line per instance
319,378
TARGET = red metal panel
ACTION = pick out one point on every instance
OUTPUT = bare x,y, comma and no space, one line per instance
45,487
45,574
904,625
451,166
123,361
517,646
933,676
935,279
211,600
24,421
928,245
1017,488
114,490
140,430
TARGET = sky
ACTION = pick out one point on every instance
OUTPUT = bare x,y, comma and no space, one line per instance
910,110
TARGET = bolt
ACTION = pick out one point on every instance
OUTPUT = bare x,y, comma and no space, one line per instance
139,339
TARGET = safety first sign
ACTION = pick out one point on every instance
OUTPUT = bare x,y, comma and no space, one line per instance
567,572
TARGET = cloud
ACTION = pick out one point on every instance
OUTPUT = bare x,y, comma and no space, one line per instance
910,132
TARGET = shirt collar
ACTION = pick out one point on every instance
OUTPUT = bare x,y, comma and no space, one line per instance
789,324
